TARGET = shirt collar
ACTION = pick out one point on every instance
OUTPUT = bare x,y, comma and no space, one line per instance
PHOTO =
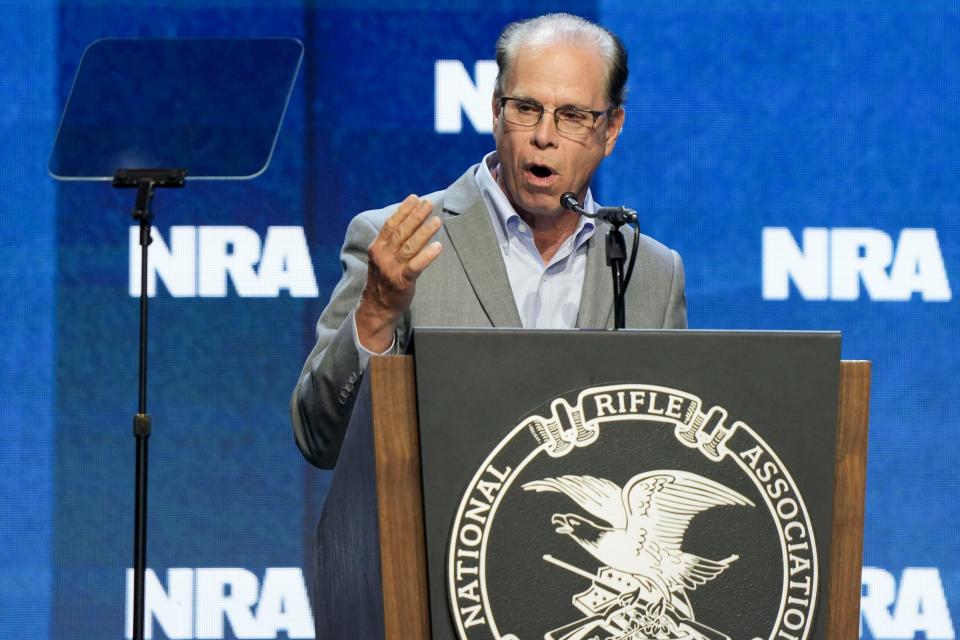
505,218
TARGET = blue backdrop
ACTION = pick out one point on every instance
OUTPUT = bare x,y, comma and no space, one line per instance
801,156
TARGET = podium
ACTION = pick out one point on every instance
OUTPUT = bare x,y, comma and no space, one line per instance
372,552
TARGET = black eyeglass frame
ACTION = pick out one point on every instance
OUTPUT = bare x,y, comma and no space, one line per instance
556,117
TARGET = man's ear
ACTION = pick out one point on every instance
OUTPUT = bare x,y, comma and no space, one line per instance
495,107
614,127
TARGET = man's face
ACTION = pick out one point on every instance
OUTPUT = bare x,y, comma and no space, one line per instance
538,164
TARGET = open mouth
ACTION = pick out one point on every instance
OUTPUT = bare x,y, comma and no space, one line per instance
540,175
541,171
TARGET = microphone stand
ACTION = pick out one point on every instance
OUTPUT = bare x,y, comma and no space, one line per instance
616,249
144,181
616,256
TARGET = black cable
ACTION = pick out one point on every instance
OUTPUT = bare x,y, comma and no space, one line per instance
633,256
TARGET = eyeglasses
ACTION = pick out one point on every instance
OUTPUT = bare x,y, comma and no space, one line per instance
569,120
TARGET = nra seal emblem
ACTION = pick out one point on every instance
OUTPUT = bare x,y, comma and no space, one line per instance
632,512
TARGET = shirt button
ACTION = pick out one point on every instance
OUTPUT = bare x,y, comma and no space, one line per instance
522,228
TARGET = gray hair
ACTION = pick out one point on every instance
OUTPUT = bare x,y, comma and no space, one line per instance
563,27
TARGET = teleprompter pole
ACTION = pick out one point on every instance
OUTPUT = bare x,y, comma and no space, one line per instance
144,181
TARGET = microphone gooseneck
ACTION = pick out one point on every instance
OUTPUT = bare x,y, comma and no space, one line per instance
616,248
616,216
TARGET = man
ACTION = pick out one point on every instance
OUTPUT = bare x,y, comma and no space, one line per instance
496,248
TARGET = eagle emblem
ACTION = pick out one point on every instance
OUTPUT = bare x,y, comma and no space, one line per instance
637,551
636,534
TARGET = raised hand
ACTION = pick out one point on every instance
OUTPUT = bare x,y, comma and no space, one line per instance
397,257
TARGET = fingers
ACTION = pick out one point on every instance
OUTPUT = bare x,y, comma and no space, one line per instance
418,240
415,219
406,207
422,260
400,253
409,218
405,234
396,258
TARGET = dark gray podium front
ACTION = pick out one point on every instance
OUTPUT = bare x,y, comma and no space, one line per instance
577,485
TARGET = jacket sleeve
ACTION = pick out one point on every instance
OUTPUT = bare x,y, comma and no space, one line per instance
676,313
326,390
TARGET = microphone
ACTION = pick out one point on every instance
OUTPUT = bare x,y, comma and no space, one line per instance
616,249
569,201
616,216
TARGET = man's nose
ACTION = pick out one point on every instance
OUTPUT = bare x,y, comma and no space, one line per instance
545,134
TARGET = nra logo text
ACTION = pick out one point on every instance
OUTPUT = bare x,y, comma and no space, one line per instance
892,609
201,261
832,264
206,602
456,93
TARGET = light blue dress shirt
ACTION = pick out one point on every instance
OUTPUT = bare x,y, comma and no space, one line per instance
547,295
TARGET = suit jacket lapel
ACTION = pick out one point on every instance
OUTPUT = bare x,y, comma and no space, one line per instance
471,233
596,300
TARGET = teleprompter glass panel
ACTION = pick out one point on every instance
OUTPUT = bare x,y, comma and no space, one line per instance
211,106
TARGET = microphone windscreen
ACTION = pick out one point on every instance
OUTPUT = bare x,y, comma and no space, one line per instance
569,201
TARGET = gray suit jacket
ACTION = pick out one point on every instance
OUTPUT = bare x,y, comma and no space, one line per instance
466,286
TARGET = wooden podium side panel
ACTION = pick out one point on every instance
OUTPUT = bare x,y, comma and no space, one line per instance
370,559
402,553
347,555
850,479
